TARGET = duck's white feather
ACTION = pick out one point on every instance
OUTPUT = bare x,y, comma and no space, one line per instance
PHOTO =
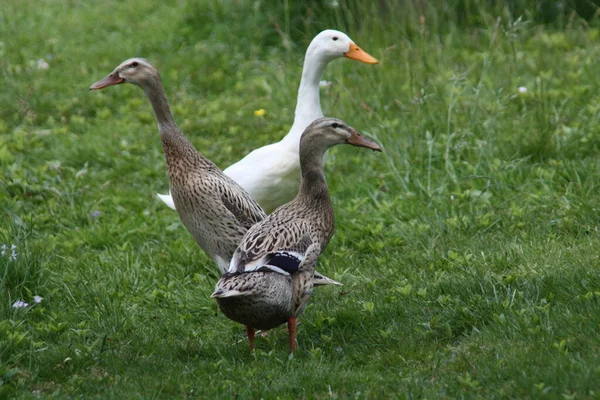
270,173
167,199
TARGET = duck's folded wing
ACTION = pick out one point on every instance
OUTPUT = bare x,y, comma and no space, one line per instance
245,210
281,249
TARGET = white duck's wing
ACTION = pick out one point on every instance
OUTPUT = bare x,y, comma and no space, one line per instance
280,247
270,174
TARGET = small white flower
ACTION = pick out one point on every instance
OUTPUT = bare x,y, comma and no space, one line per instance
20,304
324,84
13,251
42,64
37,299
522,89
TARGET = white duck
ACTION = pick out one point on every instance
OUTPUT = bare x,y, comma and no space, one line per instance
271,174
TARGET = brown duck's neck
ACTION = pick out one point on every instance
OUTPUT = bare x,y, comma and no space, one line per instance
173,141
158,98
313,186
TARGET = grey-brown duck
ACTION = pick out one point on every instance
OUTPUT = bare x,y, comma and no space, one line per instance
270,278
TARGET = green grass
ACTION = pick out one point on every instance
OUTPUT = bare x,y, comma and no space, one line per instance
468,249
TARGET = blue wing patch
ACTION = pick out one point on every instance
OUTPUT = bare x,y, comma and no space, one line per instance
285,261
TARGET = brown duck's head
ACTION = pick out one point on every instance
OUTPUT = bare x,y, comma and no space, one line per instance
135,70
327,132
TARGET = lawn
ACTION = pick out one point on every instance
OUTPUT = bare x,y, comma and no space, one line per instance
468,249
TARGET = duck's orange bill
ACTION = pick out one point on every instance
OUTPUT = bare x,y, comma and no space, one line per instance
358,54
112,79
358,140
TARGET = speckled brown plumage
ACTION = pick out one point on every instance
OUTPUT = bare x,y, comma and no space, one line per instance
260,299
213,208
271,275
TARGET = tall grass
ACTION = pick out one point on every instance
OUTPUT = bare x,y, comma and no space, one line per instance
467,249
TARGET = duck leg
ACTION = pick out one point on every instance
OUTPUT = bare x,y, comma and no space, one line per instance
250,332
292,330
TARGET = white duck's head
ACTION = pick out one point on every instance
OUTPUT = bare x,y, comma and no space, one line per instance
331,44
135,70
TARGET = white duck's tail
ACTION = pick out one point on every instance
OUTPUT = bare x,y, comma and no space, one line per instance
167,199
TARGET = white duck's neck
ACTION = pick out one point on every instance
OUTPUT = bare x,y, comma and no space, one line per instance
308,106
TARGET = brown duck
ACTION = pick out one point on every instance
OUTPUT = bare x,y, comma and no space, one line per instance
271,275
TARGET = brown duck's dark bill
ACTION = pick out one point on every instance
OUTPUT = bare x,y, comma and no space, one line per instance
358,140
112,79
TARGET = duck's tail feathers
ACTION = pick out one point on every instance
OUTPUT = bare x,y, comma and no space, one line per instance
167,199
322,280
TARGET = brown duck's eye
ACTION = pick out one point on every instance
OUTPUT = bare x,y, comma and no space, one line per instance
335,125
134,64
335,38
